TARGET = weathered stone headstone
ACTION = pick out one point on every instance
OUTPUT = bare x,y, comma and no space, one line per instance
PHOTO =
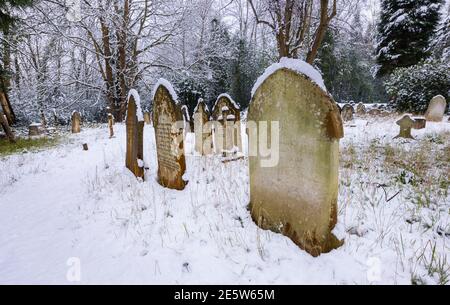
135,135
406,124
147,118
297,196
347,112
360,109
436,109
35,130
374,112
203,131
227,112
111,125
420,123
76,122
168,123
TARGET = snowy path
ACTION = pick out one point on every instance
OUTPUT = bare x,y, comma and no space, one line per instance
64,203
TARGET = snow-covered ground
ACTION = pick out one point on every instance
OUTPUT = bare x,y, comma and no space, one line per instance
65,208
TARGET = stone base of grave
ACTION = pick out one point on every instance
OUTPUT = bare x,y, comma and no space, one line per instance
313,242
175,183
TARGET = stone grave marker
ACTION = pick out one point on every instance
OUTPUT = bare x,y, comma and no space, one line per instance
227,135
135,135
147,118
298,196
360,109
436,109
169,125
406,124
203,130
76,122
347,112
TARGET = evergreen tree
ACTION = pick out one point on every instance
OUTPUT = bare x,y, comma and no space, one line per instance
404,32
6,6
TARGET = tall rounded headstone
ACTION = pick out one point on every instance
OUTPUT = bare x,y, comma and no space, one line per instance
135,135
227,112
436,109
168,124
76,122
298,196
347,112
202,130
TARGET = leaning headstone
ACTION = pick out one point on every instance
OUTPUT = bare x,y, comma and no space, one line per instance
203,131
147,118
360,109
347,112
298,195
406,124
35,130
227,112
436,109
168,124
135,135
76,122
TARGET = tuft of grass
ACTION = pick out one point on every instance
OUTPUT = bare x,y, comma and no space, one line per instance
25,145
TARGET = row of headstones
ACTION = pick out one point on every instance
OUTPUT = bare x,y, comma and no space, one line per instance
219,132
348,112
298,197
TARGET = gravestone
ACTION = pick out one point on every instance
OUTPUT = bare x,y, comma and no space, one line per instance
298,196
111,125
406,124
227,134
186,119
147,118
35,130
360,109
168,123
76,122
135,135
420,123
374,112
203,131
436,109
347,112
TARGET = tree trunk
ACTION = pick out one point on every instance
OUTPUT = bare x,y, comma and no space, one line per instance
6,128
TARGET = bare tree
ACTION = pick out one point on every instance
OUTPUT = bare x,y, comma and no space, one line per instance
296,24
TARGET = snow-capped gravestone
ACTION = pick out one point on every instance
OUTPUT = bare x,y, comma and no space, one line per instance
202,129
186,119
169,125
360,109
76,122
227,134
298,195
135,135
436,109
347,112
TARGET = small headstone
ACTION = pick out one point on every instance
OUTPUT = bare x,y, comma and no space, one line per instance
420,123
147,118
111,125
35,130
203,131
85,147
374,112
168,123
436,109
76,122
227,134
135,135
406,124
297,196
360,109
347,112
186,119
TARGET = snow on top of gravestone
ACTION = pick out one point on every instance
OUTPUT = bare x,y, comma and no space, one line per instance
137,101
295,65
185,111
168,86
200,100
226,95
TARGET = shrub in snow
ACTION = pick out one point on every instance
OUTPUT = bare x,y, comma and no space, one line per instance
411,89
